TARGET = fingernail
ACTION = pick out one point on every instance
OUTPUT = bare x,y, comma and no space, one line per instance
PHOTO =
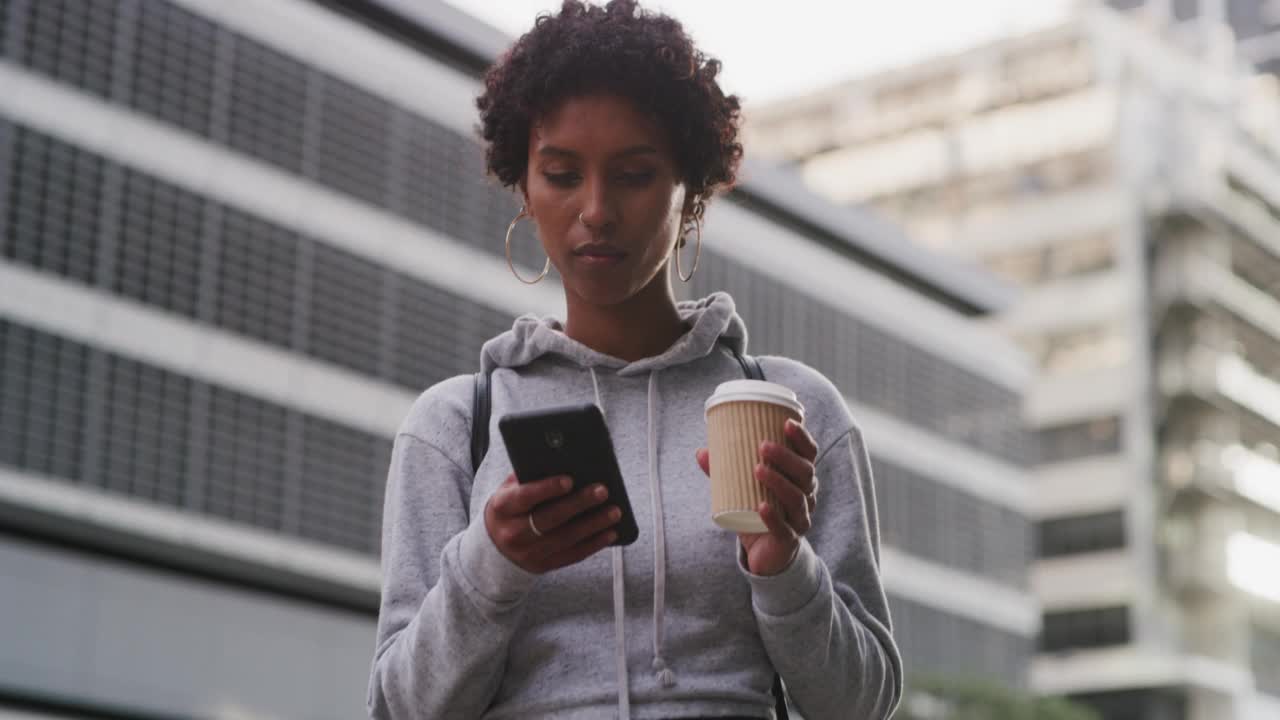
566,483
601,492
615,514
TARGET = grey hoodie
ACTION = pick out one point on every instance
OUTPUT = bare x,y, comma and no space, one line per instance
671,626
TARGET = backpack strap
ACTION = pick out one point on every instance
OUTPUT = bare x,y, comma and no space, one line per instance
753,371
750,366
480,410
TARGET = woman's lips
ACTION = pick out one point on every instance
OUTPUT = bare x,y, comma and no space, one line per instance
599,254
601,259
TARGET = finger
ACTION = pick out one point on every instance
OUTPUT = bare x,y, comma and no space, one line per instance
800,440
795,504
788,462
557,512
581,551
704,460
775,524
514,498
582,528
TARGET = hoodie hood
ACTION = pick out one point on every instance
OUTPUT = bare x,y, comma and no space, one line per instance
713,319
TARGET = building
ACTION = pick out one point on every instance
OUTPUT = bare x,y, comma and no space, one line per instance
239,238
1133,189
1251,26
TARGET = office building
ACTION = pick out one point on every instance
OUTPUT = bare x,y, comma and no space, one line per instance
1132,187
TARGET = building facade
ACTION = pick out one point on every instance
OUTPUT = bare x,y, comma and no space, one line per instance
1248,29
239,238
1132,187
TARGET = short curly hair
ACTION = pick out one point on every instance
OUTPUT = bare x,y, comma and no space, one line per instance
619,49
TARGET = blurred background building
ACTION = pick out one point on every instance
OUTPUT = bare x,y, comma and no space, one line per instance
238,238
1126,173
1252,26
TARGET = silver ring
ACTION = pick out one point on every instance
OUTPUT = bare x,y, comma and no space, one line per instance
534,528
581,219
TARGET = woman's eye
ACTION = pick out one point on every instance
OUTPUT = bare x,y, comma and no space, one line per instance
563,179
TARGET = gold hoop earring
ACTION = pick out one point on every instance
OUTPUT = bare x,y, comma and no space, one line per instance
697,253
546,266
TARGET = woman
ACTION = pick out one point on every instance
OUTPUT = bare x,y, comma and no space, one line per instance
497,600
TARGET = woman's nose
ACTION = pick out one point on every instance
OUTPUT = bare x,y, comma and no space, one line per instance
598,211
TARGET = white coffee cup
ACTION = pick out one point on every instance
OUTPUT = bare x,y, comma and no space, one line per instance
742,414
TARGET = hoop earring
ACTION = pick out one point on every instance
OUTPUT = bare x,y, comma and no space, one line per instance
697,253
545,267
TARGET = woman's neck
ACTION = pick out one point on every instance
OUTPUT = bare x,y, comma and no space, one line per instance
642,326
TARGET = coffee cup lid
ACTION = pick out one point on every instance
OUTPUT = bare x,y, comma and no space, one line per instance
755,391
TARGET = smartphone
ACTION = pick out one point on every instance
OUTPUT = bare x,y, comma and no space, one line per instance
569,440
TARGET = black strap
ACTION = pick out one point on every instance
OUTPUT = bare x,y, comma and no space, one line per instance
480,411
779,699
750,367
479,420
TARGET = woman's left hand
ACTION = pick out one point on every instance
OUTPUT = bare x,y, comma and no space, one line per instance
789,473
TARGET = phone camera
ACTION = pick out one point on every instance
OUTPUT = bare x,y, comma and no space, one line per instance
555,439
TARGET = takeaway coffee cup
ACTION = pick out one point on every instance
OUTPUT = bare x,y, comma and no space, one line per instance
741,414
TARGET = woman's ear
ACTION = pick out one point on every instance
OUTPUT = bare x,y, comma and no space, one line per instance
524,196
688,214
686,217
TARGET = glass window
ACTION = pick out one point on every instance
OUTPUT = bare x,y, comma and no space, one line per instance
1082,256
1081,534
1083,349
1080,439
1094,627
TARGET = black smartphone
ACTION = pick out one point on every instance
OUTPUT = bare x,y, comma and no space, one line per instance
569,440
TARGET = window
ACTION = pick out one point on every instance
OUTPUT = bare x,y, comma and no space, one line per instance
1163,703
1264,643
1092,628
74,214
1081,256
934,642
950,527
1079,440
1079,349
85,416
1081,534
1060,260
1024,267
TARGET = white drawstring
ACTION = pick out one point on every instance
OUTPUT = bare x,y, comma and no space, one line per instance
619,605
665,676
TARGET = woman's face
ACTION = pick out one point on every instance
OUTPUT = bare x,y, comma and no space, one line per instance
603,189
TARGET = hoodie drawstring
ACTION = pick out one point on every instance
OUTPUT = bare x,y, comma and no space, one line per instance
666,678
619,604
663,674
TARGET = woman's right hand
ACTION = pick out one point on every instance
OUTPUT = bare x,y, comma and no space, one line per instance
541,525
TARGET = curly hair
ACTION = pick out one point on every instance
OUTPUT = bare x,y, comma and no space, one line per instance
619,49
